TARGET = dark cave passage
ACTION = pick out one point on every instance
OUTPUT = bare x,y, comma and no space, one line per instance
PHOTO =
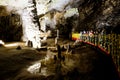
10,28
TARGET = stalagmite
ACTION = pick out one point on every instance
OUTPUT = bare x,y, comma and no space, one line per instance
31,24
56,39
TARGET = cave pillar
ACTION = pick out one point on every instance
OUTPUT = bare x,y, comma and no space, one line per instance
31,25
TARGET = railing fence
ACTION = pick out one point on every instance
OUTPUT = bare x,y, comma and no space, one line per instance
109,42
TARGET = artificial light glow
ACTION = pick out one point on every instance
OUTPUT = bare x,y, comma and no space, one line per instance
35,68
41,9
58,5
1,42
71,12
14,44
30,26
29,23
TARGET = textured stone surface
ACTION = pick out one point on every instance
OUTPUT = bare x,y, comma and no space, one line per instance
95,12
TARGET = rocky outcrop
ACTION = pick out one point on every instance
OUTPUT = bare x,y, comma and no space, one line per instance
99,13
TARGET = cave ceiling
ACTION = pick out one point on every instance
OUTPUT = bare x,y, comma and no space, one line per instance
99,13
93,14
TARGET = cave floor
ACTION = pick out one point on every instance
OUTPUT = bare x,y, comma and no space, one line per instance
80,63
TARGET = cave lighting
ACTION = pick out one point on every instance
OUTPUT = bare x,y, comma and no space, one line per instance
14,44
1,42
35,68
11,45
30,27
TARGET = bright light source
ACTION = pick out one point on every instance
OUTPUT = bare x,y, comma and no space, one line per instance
1,42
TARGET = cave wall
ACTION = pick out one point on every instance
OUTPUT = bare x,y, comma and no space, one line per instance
10,26
94,12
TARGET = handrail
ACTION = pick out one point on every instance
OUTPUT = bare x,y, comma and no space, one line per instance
109,44
89,43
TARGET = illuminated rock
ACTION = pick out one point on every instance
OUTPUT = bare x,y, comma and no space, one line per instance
35,68
31,24
1,43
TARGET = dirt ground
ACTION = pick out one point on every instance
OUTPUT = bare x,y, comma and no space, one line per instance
80,62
